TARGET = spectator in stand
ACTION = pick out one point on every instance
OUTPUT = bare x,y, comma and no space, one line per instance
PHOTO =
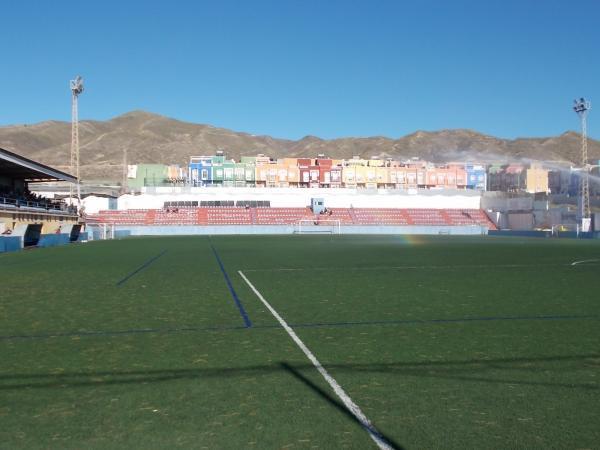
19,198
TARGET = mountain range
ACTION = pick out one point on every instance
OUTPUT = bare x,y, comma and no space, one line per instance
152,138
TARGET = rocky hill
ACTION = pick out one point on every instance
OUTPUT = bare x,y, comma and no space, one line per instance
151,138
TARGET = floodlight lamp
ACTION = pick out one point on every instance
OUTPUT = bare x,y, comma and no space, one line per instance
77,85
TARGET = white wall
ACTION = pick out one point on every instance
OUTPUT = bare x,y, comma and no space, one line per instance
94,204
297,197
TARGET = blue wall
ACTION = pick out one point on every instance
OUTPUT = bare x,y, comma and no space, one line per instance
533,233
52,240
521,233
10,243
179,230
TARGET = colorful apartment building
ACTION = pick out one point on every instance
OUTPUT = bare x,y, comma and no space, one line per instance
200,170
262,171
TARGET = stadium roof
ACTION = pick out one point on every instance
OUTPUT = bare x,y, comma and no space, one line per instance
16,166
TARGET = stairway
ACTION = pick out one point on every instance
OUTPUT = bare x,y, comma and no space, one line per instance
352,214
150,217
446,217
202,216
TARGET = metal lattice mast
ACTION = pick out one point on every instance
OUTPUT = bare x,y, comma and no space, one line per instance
76,89
582,106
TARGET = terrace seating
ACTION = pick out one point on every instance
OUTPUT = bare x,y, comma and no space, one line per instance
341,214
432,217
281,216
227,215
469,217
175,216
380,216
127,217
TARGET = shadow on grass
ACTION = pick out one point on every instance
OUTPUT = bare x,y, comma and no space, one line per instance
471,370
341,407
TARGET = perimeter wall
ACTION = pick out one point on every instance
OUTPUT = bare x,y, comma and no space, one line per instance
172,230
154,198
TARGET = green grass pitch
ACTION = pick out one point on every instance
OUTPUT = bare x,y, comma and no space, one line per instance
443,342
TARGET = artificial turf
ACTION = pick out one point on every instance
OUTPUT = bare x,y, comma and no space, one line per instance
443,342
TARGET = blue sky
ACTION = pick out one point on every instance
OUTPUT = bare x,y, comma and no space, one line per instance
294,68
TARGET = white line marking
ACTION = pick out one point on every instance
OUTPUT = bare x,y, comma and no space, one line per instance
352,407
584,261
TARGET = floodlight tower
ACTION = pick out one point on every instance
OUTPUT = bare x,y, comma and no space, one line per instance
581,107
76,89
124,182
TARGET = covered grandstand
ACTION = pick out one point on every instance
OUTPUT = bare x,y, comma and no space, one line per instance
25,217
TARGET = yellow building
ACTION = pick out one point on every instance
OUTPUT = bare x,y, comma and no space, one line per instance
282,173
376,163
382,175
536,179
349,176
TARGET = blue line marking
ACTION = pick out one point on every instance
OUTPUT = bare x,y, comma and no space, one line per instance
434,321
142,267
122,332
93,333
236,299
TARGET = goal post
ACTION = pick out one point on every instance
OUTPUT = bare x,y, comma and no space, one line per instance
318,226
100,231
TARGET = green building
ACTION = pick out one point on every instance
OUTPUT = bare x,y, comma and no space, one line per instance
148,175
